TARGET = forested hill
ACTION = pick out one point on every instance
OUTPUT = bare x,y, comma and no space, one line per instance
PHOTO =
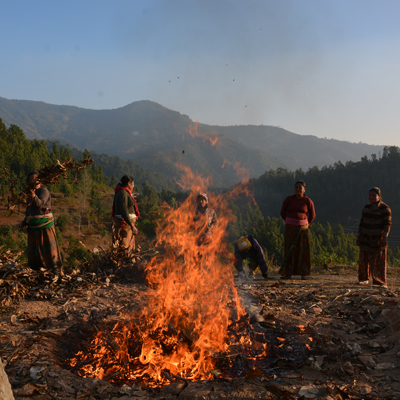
339,191
21,156
153,136
158,138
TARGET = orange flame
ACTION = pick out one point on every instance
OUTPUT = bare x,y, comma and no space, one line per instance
191,302
192,130
241,172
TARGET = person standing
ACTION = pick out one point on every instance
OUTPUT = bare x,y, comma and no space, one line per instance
298,212
125,213
205,219
374,228
43,249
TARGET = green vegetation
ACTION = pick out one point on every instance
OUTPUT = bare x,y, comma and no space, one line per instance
339,193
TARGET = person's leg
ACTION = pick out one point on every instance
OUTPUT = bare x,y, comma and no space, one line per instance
379,267
363,267
291,232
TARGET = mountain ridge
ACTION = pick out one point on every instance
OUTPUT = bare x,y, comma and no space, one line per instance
158,138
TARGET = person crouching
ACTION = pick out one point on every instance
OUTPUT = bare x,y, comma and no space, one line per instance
247,248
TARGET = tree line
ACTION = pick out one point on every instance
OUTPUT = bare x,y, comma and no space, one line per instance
338,191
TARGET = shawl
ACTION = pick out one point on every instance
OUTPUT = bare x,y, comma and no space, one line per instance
119,188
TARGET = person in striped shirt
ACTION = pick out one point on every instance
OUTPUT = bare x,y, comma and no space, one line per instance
374,228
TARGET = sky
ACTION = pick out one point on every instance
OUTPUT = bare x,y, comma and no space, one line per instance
329,68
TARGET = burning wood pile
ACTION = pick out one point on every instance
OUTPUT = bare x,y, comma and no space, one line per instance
186,315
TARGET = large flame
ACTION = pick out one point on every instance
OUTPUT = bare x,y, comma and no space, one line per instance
191,302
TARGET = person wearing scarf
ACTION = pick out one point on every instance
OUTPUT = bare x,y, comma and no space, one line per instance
374,228
43,249
125,212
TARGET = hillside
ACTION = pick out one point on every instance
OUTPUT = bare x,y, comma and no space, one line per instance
296,150
146,132
158,138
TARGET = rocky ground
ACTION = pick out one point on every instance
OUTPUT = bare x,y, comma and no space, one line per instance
327,338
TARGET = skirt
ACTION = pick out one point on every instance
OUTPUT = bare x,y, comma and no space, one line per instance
43,250
123,235
297,258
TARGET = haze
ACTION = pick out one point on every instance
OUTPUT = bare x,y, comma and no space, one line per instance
314,67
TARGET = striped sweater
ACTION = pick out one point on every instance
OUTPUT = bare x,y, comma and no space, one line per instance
375,223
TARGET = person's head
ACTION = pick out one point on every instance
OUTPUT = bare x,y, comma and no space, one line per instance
299,188
375,195
31,178
202,200
127,181
244,244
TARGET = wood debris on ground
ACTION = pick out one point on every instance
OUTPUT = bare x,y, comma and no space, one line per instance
326,338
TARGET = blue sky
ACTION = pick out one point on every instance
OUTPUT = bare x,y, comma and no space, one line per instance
329,68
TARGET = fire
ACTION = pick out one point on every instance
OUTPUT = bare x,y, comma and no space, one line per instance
192,130
187,312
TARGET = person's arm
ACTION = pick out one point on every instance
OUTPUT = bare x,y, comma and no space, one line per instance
285,205
214,220
40,198
360,226
260,257
22,224
121,203
238,260
387,220
311,212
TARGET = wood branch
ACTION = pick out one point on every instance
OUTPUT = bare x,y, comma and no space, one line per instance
48,175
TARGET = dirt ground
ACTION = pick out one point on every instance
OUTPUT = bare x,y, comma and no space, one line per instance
327,338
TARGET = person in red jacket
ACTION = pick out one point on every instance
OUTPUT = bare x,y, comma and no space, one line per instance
298,212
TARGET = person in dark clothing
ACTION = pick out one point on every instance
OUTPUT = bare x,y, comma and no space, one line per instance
375,224
247,248
125,213
43,249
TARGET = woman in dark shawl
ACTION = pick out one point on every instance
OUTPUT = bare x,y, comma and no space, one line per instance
125,213
43,250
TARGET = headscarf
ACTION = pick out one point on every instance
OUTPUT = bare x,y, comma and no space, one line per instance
377,191
243,243
202,194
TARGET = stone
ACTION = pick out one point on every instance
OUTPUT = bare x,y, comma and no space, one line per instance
316,310
366,389
383,366
368,361
308,392
5,387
